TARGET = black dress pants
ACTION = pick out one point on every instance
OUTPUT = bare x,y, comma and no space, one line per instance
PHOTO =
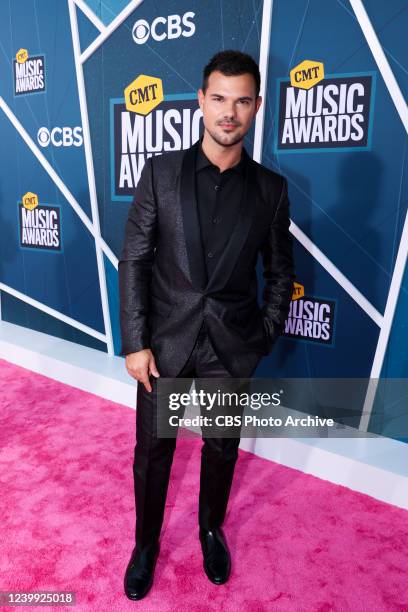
153,456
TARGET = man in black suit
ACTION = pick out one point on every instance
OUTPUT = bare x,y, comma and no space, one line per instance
188,293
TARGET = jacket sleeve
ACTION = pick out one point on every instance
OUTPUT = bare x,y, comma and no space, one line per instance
279,274
135,265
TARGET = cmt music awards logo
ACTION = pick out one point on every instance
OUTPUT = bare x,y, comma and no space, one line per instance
29,73
147,123
324,112
310,318
40,225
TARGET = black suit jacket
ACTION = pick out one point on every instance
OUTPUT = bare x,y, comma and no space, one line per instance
164,296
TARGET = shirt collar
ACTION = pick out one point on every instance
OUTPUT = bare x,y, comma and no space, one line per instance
202,160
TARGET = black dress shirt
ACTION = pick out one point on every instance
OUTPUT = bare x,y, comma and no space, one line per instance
218,198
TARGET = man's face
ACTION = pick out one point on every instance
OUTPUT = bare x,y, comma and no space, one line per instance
229,106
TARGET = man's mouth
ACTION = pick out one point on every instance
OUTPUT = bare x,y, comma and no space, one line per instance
228,126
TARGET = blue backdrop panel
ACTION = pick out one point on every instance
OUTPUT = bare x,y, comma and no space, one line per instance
87,31
349,203
67,279
108,9
44,30
353,334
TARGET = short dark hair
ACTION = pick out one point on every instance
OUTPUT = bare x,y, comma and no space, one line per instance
232,63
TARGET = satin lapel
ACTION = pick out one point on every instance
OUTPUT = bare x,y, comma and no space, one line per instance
239,234
191,222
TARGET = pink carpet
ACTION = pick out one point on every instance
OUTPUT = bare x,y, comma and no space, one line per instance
298,543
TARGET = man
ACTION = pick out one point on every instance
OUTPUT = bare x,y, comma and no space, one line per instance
188,291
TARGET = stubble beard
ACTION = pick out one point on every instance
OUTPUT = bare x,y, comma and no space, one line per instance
226,140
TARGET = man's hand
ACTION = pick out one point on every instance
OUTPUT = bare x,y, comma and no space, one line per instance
140,365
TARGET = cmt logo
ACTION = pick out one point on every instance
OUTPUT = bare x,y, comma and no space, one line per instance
307,74
170,27
144,94
22,56
60,137
298,291
30,200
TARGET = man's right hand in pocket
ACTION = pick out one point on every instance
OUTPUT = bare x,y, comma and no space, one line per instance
141,365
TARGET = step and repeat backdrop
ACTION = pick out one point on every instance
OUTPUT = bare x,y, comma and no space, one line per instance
90,89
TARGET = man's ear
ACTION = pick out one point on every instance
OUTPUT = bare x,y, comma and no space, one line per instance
258,103
200,95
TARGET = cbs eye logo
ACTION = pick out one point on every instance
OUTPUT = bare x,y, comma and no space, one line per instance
60,137
170,27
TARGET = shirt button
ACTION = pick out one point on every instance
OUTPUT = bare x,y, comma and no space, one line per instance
210,254
217,188
216,220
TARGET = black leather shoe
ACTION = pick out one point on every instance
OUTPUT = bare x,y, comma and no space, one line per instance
140,571
217,560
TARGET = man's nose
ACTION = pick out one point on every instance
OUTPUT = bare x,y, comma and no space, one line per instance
229,111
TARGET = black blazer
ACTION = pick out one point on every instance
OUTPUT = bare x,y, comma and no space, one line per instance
164,297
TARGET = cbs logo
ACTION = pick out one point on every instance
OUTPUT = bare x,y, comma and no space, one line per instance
60,137
172,26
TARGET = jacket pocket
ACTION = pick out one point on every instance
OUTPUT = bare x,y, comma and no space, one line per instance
269,336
